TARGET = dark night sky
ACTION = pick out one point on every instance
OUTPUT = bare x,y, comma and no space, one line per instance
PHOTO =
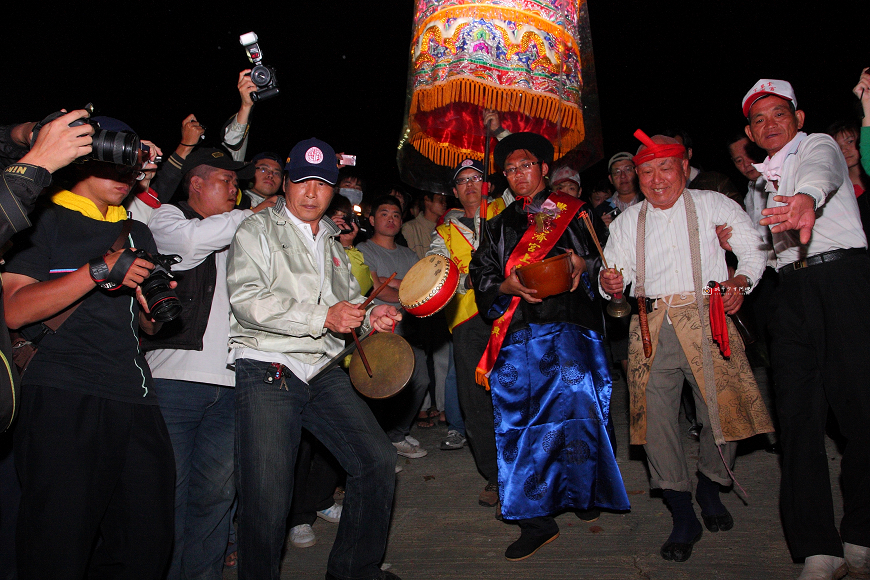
343,65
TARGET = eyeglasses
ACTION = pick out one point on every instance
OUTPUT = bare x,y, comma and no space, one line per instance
521,167
472,179
624,171
263,170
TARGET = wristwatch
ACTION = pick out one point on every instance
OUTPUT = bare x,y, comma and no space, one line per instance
100,273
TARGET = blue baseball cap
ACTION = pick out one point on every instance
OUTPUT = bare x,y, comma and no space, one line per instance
312,159
112,124
468,164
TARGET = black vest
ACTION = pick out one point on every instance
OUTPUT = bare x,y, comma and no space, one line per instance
195,291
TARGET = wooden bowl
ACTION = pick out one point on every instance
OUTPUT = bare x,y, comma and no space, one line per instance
549,277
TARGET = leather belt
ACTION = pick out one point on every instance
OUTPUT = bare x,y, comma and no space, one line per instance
825,257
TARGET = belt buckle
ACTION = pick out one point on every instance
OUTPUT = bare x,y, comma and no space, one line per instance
800,264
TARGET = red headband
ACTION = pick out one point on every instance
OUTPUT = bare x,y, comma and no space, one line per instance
656,150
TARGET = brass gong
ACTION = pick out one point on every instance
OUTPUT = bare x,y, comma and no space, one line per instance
391,360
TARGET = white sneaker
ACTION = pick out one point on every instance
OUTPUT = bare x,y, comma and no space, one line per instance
331,514
820,567
302,536
857,560
408,449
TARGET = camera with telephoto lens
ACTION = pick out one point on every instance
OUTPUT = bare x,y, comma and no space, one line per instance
264,77
117,147
162,300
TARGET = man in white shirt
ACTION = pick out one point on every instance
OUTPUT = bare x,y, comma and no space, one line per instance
819,352
188,357
293,299
652,243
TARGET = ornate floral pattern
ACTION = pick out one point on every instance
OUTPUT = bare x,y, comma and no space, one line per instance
742,412
523,58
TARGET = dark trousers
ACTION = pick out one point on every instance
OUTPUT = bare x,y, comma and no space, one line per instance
200,419
397,413
10,497
314,481
269,422
821,361
469,342
94,472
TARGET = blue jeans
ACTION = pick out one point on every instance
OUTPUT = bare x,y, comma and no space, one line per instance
200,420
451,398
269,420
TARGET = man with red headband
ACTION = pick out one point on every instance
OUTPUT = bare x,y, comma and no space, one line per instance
666,247
819,347
551,415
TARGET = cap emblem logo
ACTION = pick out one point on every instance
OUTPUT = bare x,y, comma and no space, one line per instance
314,155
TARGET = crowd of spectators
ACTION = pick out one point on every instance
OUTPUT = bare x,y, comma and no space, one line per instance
141,441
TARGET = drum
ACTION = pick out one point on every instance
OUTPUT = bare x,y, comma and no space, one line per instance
429,285
391,360
549,277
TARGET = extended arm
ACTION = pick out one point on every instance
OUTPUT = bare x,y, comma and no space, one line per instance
193,239
27,300
236,130
815,179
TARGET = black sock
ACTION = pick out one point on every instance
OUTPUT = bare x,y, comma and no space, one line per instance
708,496
686,524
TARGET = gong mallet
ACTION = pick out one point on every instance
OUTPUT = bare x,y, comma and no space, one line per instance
362,355
618,307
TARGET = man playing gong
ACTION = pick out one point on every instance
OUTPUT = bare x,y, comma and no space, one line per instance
667,248
550,414
293,298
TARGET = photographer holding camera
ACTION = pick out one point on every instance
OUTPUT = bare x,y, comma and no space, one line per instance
188,359
91,447
57,145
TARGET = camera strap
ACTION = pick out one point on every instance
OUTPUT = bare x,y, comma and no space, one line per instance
52,324
121,267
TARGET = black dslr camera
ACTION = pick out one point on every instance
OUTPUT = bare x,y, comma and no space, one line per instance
264,77
110,146
162,300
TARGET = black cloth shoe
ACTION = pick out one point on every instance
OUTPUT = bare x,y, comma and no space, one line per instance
589,515
718,523
680,551
540,532
687,529
715,515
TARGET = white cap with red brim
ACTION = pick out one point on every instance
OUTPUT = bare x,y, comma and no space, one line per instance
764,87
565,173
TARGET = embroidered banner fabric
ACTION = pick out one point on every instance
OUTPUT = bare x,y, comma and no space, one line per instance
529,60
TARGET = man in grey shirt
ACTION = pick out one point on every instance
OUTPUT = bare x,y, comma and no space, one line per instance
384,256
